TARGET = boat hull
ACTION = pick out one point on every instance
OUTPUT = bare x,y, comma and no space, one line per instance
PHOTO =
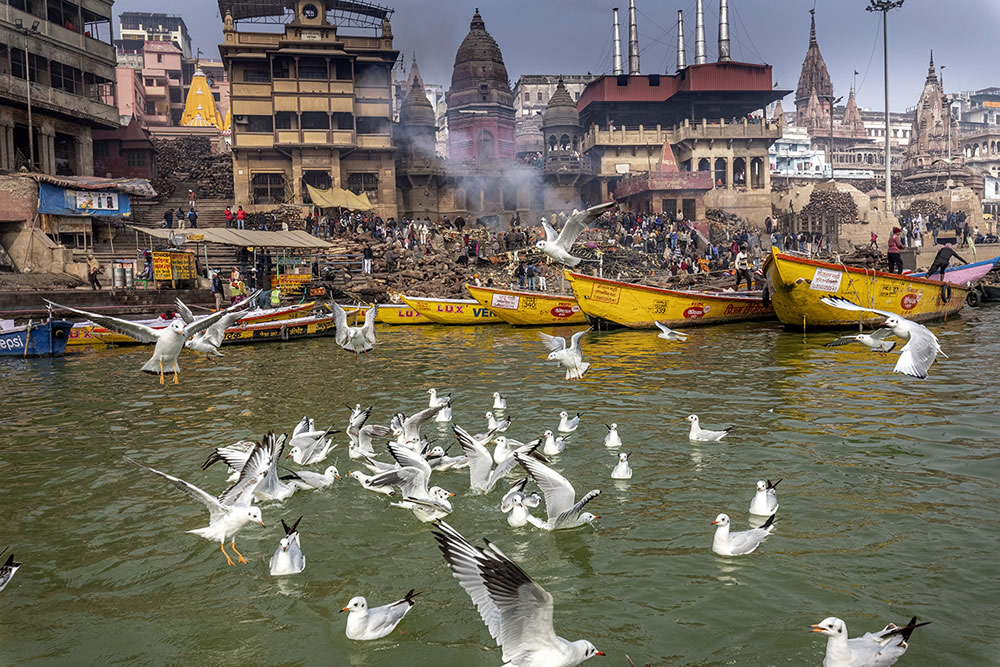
45,339
964,273
526,309
394,313
797,284
452,311
640,306
281,330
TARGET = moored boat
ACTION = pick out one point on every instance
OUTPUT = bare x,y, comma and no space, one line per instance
528,308
639,306
452,311
796,285
280,330
40,339
963,274
399,313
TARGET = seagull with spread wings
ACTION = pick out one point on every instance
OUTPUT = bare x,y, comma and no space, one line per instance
208,341
558,246
570,357
560,497
169,341
355,339
921,347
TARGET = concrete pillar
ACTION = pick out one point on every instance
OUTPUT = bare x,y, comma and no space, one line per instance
7,146
45,150
335,168
729,172
84,165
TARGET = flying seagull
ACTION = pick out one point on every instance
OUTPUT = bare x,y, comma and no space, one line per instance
570,357
666,333
8,569
560,497
355,339
875,341
879,649
558,246
921,347
169,341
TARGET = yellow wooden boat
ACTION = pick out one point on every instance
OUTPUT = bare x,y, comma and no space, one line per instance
280,330
452,311
88,333
529,308
639,306
796,285
399,313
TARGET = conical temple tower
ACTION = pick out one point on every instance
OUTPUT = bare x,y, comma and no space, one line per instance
199,108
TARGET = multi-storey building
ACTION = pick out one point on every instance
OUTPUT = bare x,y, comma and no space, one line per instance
147,27
533,91
164,81
65,51
311,104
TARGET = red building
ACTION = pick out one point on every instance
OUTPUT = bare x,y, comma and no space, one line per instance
124,153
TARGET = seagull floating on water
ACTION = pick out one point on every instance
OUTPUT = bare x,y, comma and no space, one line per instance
666,333
516,504
570,357
412,477
741,542
558,246
444,415
567,424
612,440
482,476
765,500
493,424
879,649
499,402
517,612
307,480
623,470
921,347
365,624
700,434
8,569
551,444
288,558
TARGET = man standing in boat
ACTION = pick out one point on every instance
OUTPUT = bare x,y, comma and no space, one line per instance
941,260
742,266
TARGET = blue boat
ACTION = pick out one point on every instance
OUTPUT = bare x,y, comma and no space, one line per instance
45,339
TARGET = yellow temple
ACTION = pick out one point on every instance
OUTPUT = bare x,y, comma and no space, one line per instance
199,108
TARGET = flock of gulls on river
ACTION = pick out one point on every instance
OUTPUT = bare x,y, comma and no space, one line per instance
518,612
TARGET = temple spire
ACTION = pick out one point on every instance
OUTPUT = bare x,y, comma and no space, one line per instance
812,27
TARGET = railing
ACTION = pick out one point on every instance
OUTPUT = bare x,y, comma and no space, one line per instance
57,100
567,162
744,129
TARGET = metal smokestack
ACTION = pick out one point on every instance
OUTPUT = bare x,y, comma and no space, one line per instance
699,35
633,40
724,31
617,46
681,51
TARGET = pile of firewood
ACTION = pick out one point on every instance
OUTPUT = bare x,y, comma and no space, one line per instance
925,208
191,160
830,201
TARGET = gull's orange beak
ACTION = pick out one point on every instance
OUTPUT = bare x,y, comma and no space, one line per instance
715,523
451,495
261,523
337,476
816,628
288,456
600,653
343,610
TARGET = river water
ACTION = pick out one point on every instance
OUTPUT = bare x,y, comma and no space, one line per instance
888,504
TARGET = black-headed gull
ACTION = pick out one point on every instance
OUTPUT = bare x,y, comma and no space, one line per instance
875,341
571,358
365,624
271,487
666,333
921,347
307,480
517,612
568,424
558,246
499,402
552,445
623,470
482,476
407,429
444,402
516,504
8,569
699,434
412,478
439,460
765,499
499,425
561,508
366,483
232,510
879,649
210,340
612,440
741,542
169,340
355,339
288,558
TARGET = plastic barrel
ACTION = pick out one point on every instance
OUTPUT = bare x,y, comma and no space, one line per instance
119,277
129,278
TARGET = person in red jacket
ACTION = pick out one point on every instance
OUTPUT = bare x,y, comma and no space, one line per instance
229,217
894,248
241,217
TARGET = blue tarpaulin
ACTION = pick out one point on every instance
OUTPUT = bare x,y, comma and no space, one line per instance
56,200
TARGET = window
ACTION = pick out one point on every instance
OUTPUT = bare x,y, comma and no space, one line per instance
538,96
372,125
135,159
159,57
101,148
260,124
280,67
343,121
343,69
268,188
64,77
362,182
150,108
372,74
315,120
312,68
285,120
256,74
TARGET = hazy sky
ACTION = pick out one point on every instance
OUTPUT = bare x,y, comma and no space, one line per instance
574,37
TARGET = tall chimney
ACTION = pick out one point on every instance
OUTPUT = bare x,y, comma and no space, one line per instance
699,35
633,40
617,46
724,31
681,52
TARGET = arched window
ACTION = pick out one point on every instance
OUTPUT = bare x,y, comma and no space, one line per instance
552,142
739,171
756,173
704,164
720,172
564,142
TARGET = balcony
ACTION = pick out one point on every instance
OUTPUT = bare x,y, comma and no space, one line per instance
746,129
57,101
663,181
375,141
624,136
567,162
156,91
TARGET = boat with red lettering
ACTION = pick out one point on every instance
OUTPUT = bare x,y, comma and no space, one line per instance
399,313
452,311
280,330
639,306
522,308
796,285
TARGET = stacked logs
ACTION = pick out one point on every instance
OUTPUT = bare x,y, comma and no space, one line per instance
191,160
926,208
826,201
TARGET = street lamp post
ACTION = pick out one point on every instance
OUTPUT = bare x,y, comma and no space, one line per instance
884,6
33,30
832,102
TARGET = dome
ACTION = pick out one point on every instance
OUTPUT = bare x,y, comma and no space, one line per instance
416,108
561,109
528,136
479,76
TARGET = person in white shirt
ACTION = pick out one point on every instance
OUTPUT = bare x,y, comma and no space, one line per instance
742,266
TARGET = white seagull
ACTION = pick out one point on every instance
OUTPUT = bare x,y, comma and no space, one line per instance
560,506
921,347
567,424
558,246
623,470
235,456
364,623
666,333
210,340
517,612
355,339
552,445
366,483
232,510
407,429
765,500
875,341
569,357
482,476
288,558
306,480
307,450
612,440
699,434
492,423
8,569
879,649
412,477
169,340
515,504
499,402
741,542
444,415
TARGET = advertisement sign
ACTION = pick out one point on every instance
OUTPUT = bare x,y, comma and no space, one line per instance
89,200
173,265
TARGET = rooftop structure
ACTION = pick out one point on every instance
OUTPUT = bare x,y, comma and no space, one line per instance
153,27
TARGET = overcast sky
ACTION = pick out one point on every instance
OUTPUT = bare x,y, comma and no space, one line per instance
574,37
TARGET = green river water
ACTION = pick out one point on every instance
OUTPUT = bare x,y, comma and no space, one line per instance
888,505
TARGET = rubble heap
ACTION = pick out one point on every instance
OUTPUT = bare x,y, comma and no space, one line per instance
191,160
